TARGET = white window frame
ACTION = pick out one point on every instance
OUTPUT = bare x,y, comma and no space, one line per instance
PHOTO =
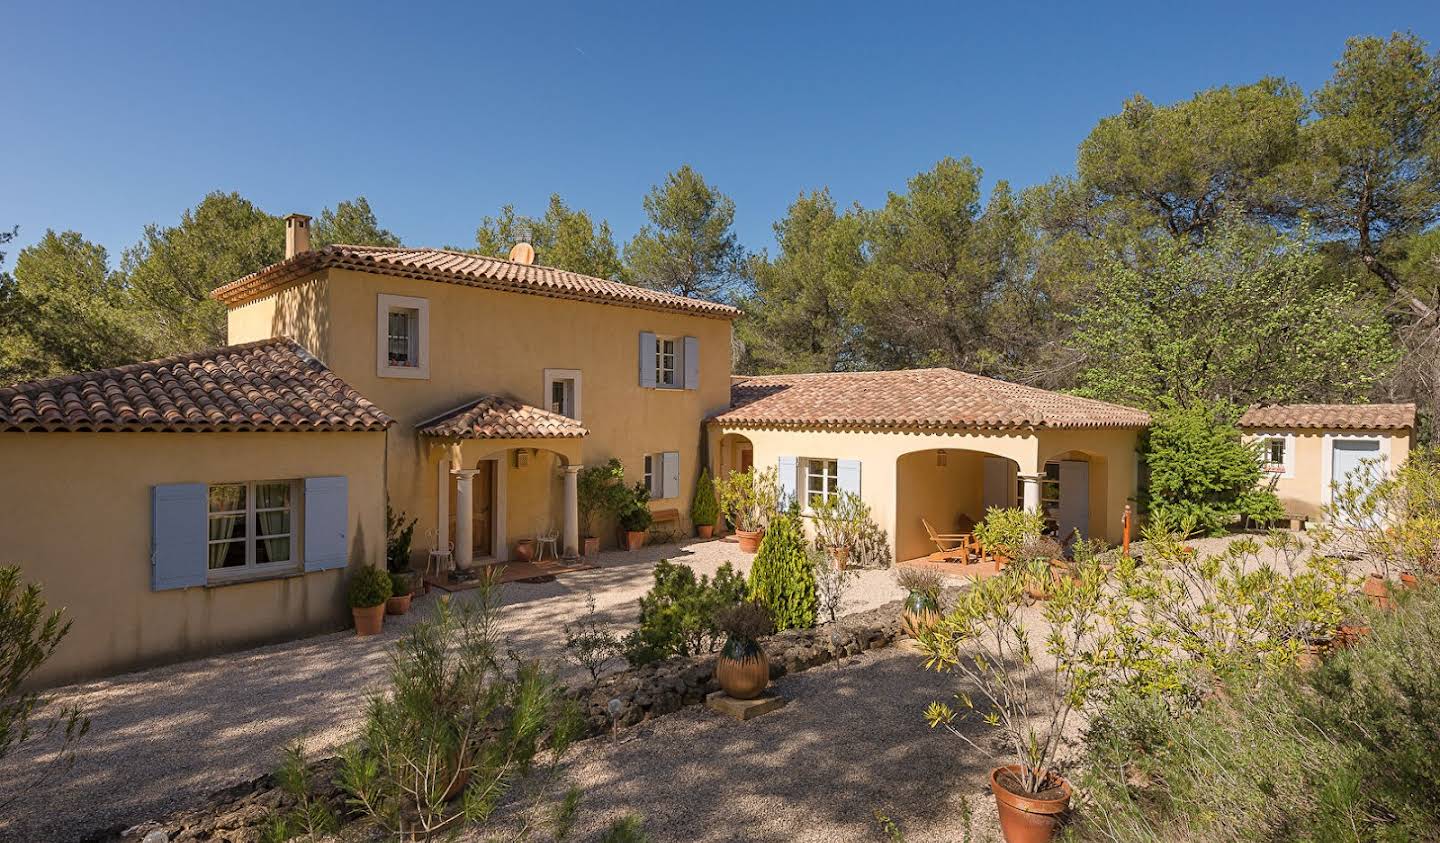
387,304
251,569
677,362
552,376
1284,469
1327,457
652,465
830,482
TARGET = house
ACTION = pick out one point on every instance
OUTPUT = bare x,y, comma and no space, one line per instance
936,445
1306,447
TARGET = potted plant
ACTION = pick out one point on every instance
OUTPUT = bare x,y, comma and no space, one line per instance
840,521
742,668
402,589
525,550
368,591
399,535
985,640
748,499
922,603
704,510
636,519
1003,532
601,489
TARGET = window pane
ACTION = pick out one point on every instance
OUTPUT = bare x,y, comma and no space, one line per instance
272,495
272,550
273,523
227,555
227,527
229,497
817,483
401,350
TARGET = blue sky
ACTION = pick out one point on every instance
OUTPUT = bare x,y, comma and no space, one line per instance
115,115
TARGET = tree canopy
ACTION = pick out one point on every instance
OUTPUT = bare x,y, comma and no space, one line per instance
689,247
563,238
351,223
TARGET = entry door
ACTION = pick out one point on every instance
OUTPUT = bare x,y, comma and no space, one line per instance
1348,454
482,496
1074,499
747,459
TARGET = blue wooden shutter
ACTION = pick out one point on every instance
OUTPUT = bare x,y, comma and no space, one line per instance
179,529
788,480
849,476
327,521
692,363
647,359
671,487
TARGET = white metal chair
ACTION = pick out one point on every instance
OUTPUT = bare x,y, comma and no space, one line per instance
547,535
441,559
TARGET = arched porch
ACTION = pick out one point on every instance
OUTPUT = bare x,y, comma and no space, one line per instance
949,489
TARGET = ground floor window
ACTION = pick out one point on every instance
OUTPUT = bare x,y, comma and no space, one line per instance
822,482
251,527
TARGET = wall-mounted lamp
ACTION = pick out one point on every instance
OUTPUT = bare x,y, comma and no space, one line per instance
522,457
942,459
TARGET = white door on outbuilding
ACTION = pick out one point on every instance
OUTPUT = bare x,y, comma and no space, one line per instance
1074,499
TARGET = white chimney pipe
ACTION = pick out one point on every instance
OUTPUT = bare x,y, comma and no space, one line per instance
297,235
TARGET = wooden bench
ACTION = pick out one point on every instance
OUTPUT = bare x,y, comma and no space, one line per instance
659,515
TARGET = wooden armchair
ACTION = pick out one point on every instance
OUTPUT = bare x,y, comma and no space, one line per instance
953,545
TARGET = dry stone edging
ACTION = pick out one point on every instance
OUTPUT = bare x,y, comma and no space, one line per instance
238,814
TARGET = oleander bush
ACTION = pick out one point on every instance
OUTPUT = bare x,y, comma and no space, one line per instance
1345,751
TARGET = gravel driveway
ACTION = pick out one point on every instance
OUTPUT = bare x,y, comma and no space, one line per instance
161,739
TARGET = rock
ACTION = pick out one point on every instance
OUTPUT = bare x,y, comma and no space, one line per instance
156,836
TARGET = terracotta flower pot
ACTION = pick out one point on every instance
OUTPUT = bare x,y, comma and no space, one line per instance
1350,634
742,669
525,550
841,555
1378,591
921,613
397,605
369,620
592,546
704,531
1409,580
749,540
635,539
1028,819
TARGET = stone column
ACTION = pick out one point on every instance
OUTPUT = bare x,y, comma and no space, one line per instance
571,534
464,518
1031,486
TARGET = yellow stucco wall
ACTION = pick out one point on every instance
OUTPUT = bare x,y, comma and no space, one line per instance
77,519
1307,491
485,341
900,481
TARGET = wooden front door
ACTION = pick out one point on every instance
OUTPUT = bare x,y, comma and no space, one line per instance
482,494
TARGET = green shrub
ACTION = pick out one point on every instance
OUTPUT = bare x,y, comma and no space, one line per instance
704,509
369,586
782,577
398,538
1006,530
28,636
601,489
1200,471
460,720
749,498
678,614
1346,751
401,584
635,516
307,816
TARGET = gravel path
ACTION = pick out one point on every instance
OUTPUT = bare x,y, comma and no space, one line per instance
161,739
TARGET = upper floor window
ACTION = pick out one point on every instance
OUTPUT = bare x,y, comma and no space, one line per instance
562,392
669,362
403,337
665,361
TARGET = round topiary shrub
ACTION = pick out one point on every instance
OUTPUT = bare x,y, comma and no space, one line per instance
369,586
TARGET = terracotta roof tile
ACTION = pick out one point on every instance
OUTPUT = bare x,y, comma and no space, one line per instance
271,385
1337,416
497,417
466,269
914,398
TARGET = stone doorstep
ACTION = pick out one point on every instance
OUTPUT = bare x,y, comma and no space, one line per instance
723,703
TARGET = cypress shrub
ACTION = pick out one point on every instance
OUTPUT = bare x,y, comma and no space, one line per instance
782,577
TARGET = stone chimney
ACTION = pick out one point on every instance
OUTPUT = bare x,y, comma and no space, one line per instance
297,235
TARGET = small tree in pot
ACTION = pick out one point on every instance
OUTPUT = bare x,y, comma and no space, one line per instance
369,589
601,489
636,519
743,669
399,536
840,521
704,509
984,640
749,499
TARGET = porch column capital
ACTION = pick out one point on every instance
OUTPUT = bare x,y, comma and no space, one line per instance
573,469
